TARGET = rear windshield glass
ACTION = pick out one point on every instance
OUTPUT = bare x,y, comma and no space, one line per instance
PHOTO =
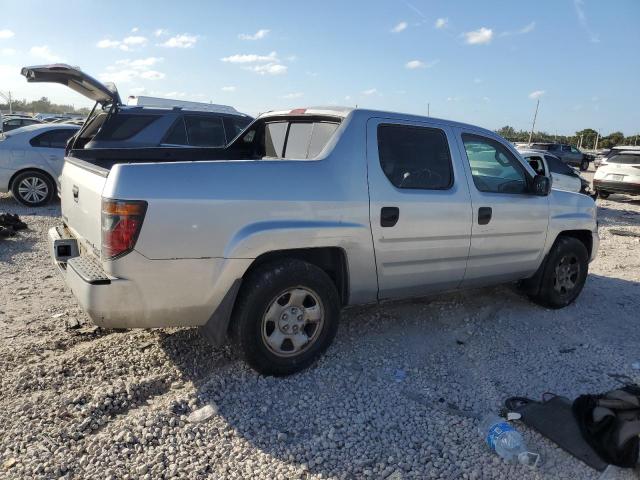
122,126
297,140
626,159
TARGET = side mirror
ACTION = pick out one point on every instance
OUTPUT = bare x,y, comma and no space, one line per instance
541,185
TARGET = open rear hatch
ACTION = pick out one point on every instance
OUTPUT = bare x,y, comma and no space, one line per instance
75,79
81,187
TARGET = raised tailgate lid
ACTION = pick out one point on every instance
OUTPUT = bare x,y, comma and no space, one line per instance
75,79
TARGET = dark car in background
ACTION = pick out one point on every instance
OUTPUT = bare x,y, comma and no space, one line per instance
155,123
567,153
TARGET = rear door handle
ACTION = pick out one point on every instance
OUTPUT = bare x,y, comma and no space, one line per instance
75,191
484,215
389,216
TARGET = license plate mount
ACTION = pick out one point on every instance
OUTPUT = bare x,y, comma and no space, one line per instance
617,178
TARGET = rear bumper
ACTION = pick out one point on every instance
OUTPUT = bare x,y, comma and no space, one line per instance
143,293
617,187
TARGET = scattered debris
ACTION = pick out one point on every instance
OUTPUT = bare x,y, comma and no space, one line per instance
72,324
624,233
202,414
567,350
636,365
9,463
399,375
57,315
12,221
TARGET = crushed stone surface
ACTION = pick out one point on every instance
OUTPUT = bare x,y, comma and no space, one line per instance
397,395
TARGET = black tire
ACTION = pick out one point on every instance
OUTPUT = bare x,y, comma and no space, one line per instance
602,194
44,188
260,291
584,166
553,291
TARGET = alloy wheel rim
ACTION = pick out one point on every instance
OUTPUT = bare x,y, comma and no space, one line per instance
292,322
567,272
33,189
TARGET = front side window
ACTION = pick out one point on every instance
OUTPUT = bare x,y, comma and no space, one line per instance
205,131
415,157
493,167
177,135
566,148
537,164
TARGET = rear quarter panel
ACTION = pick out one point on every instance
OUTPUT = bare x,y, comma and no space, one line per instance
242,209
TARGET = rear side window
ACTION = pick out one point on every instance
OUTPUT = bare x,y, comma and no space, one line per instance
123,126
53,138
205,131
415,157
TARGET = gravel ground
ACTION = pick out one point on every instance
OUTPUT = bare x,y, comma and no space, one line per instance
394,397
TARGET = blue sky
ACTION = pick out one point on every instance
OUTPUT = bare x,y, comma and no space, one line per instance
478,62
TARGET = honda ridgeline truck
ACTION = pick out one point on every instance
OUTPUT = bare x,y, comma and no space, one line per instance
305,212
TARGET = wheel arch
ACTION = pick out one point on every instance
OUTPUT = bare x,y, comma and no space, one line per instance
32,169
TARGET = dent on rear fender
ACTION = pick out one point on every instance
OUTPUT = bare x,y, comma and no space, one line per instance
261,237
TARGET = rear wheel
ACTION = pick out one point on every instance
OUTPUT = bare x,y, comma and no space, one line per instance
285,317
603,194
564,274
33,188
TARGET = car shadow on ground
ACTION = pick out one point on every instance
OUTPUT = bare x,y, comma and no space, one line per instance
427,359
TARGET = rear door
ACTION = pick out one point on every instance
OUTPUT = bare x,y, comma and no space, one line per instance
509,224
50,146
420,209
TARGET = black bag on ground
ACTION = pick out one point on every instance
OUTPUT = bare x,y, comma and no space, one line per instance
610,423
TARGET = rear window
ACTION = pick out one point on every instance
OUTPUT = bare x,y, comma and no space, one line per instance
625,159
297,140
122,126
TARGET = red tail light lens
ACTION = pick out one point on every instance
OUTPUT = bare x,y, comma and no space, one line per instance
121,223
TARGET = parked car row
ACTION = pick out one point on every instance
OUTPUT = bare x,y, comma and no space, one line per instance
618,172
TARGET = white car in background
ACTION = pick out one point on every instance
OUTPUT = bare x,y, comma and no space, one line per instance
562,175
618,173
31,160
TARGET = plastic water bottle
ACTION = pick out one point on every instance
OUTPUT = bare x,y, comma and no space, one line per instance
503,439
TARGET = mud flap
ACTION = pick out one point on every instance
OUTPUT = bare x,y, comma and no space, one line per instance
216,328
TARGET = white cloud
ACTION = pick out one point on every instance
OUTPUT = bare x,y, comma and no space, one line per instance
180,41
479,37
229,88
134,29
135,41
415,64
584,21
160,32
251,58
453,99
441,23
6,33
291,96
486,99
106,43
399,27
370,91
124,71
7,51
269,69
137,90
536,94
45,53
259,35
530,27
477,80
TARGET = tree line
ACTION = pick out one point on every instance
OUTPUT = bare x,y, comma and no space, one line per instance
43,105
586,138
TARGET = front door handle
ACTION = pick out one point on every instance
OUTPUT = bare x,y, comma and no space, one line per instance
484,215
389,216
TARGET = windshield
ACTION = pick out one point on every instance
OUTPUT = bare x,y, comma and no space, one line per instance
625,159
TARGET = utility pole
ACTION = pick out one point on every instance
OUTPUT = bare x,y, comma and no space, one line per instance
597,138
428,109
535,115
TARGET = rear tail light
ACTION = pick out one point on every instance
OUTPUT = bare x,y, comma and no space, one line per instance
121,223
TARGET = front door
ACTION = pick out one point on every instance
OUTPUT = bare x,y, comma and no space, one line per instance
420,209
509,227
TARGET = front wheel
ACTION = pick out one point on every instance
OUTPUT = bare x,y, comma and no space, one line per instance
602,194
286,316
584,166
565,273
33,188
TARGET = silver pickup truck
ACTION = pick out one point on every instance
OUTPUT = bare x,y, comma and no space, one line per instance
305,212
